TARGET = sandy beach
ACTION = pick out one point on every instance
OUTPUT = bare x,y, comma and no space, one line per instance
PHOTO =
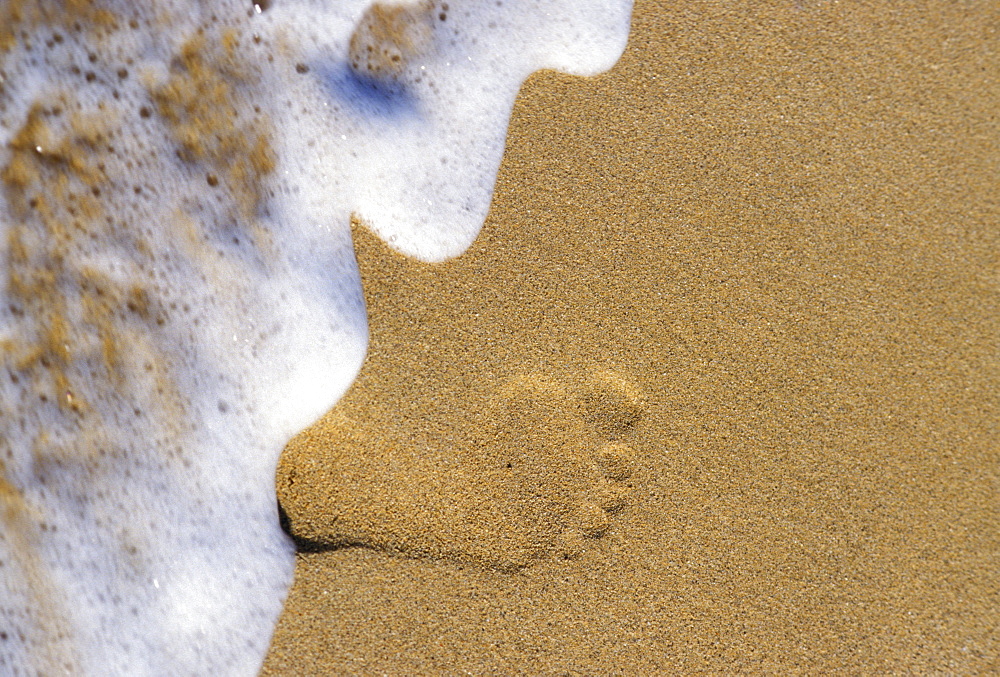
778,222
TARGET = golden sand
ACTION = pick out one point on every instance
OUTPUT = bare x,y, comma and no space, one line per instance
777,223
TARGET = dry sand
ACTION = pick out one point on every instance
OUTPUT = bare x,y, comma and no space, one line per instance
780,221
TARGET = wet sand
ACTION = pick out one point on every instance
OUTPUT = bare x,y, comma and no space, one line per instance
779,221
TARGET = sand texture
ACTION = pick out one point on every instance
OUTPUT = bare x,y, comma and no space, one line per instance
714,390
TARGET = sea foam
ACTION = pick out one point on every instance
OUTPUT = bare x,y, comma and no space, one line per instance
179,290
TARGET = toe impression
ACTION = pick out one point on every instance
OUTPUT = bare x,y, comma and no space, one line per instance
612,404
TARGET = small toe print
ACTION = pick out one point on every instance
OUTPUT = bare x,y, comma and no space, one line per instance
612,497
616,461
592,520
570,544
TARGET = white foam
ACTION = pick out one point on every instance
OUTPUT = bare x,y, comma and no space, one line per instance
169,336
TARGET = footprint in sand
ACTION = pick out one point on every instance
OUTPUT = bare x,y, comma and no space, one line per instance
542,477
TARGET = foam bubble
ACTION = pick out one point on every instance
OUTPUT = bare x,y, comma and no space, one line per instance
179,288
